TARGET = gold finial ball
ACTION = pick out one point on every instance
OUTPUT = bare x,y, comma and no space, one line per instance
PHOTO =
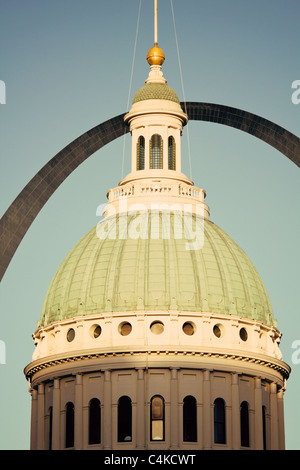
155,56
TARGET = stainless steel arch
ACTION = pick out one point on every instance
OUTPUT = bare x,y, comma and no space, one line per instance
278,137
24,209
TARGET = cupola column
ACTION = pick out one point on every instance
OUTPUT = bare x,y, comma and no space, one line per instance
147,148
164,135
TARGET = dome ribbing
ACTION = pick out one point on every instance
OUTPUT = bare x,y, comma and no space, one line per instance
118,274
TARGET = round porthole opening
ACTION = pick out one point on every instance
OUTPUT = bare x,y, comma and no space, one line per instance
95,331
218,330
189,328
243,334
157,327
125,328
70,335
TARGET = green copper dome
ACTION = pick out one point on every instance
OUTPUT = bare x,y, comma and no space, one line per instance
152,272
155,91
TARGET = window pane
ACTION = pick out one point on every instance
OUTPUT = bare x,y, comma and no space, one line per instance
219,421
156,151
157,408
171,153
157,430
140,153
157,419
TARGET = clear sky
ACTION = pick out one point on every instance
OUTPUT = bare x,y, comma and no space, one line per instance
67,66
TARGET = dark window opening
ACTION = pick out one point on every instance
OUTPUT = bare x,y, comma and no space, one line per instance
94,421
189,419
264,428
50,427
69,424
140,153
244,415
219,421
124,420
171,153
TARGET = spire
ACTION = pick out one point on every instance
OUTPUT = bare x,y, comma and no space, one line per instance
155,23
155,56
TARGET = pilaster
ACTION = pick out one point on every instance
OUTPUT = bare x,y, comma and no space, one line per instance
174,410
41,418
78,412
107,438
140,411
207,411
235,412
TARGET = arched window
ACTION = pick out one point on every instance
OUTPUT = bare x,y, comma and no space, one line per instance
156,151
50,426
69,442
124,420
244,415
94,421
189,419
264,428
140,153
171,153
219,421
157,419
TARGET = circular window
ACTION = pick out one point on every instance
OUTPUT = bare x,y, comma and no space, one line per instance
157,327
218,330
243,334
95,331
189,328
125,328
70,335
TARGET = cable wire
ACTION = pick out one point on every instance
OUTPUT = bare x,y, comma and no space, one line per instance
130,83
181,78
